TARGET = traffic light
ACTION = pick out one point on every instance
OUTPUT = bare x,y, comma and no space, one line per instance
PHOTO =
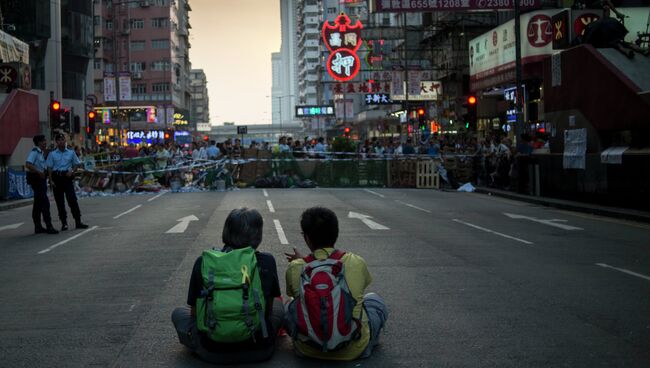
206,138
55,114
169,135
471,117
90,128
346,132
422,119
64,120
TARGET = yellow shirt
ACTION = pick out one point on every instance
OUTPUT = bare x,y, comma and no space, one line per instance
358,279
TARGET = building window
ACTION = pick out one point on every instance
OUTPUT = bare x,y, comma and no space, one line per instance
137,45
160,22
109,67
97,20
108,24
160,65
137,67
137,23
331,10
98,64
139,89
160,44
99,86
160,87
161,2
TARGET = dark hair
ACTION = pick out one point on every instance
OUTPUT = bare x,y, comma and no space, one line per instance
321,226
243,228
59,136
38,139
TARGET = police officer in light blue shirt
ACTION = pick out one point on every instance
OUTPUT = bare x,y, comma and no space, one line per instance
61,163
36,174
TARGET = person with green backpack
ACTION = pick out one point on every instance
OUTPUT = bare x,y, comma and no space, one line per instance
234,314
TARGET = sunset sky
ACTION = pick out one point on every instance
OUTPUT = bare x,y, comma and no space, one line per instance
232,41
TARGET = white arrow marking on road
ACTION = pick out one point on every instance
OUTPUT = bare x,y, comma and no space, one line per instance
366,220
182,225
11,227
553,222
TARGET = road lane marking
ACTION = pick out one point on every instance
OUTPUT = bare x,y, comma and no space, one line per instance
624,271
413,206
493,232
266,194
605,219
271,209
67,240
375,193
182,225
281,235
366,220
128,211
12,226
553,222
152,198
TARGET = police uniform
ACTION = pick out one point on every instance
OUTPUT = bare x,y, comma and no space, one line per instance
61,163
39,186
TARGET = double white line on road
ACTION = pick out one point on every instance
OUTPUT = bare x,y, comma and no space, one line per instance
67,240
624,271
493,232
128,211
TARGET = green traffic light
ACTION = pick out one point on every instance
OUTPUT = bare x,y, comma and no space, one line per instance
466,125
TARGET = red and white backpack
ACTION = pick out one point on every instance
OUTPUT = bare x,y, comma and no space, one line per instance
323,310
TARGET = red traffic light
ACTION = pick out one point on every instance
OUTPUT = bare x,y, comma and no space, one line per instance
346,130
471,100
206,138
91,115
420,111
56,106
167,135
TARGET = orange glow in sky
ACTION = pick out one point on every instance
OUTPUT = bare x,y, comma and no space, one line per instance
232,41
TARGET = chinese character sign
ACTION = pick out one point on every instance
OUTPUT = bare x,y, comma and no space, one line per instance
342,39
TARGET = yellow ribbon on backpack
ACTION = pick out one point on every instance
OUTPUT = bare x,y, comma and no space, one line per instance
245,279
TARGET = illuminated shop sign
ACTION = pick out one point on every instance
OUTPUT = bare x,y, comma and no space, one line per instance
342,39
179,119
309,111
141,136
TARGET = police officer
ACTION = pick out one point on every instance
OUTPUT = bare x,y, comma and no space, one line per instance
35,165
61,162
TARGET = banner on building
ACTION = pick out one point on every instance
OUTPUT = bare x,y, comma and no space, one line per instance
575,148
203,127
401,6
13,49
110,93
125,87
18,187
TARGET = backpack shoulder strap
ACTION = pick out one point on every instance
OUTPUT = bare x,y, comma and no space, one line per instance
337,255
310,258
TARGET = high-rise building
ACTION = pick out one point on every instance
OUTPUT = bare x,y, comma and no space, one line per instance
309,14
59,35
200,99
287,99
276,88
142,66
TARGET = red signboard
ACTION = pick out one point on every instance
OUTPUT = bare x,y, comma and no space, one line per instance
342,39
398,6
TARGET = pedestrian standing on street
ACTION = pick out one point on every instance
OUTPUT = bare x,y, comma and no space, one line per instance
327,283
234,311
36,177
61,163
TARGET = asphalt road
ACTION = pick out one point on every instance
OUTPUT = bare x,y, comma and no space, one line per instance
468,280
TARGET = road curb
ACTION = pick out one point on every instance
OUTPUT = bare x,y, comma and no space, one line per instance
16,204
620,213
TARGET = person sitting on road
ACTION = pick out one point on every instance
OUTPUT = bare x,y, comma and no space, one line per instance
339,277
229,320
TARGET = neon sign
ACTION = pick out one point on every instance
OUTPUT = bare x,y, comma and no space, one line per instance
342,39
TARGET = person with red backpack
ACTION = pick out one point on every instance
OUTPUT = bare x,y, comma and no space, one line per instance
330,317
234,310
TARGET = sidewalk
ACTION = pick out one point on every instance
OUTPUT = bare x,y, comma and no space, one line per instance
622,213
15,203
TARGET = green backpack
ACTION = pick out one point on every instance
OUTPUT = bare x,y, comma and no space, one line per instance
231,306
